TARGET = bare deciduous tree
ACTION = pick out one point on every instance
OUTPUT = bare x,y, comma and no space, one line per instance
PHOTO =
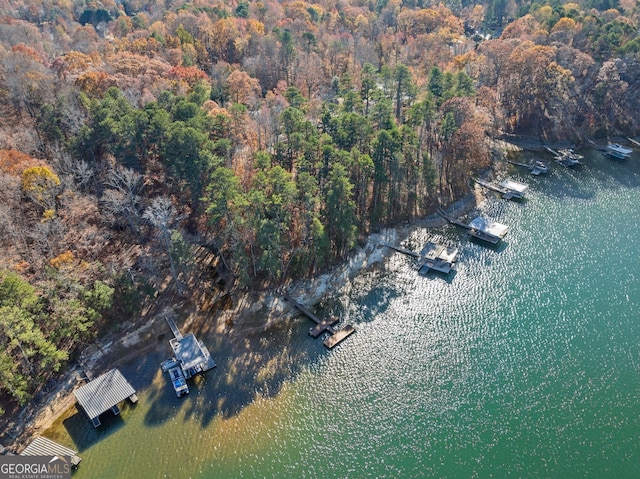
122,199
162,215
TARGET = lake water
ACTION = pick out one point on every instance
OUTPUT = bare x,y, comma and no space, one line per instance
525,362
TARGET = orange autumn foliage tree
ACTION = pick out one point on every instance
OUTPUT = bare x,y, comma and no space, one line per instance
190,75
15,162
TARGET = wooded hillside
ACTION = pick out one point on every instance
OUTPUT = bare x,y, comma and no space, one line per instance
273,134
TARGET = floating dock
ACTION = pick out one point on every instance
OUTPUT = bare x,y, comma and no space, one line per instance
437,257
490,232
509,189
339,336
537,167
515,189
336,336
618,151
433,256
41,446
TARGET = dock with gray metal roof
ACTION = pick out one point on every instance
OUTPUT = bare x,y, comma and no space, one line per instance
41,446
104,393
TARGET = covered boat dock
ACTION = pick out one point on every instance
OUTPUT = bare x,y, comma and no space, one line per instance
437,257
490,232
514,189
41,446
618,151
104,393
192,355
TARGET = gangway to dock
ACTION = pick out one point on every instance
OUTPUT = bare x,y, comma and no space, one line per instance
633,142
402,250
452,220
174,328
553,152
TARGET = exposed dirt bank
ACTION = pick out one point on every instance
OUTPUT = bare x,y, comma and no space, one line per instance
246,313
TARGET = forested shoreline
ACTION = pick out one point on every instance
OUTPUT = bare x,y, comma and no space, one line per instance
272,135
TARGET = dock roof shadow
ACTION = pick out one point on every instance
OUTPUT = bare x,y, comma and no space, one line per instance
433,275
82,432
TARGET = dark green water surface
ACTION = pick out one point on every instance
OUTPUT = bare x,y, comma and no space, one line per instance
523,363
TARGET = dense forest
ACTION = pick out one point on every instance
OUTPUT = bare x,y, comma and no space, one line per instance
273,134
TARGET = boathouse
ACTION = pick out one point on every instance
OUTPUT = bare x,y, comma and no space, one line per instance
437,257
618,151
513,189
487,231
41,446
104,393
192,355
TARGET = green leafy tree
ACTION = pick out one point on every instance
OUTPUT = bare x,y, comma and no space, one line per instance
27,355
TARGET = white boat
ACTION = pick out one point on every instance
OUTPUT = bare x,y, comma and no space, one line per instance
178,381
572,155
618,151
539,166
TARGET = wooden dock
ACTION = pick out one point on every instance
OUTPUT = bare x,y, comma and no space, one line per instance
339,336
336,336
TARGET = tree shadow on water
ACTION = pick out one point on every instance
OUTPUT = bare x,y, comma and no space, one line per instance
248,365
82,432
498,247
